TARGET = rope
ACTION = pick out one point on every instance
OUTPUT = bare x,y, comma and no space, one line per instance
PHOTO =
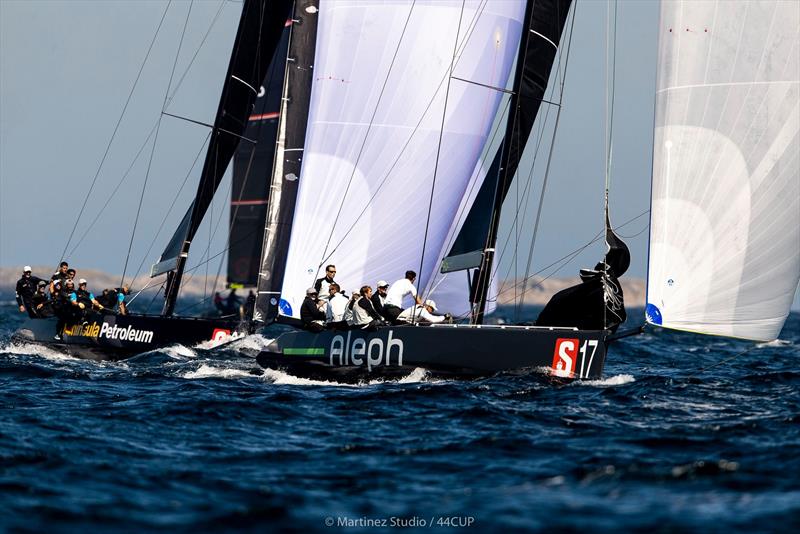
114,134
726,360
155,141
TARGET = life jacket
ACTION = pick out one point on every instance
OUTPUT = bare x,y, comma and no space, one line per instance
84,297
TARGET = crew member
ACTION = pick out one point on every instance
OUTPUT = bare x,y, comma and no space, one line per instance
249,306
113,298
335,309
393,305
364,314
26,287
60,275
422,314
348,313
321,285
233,302
312,317
66,310
379,297
83,298
42,306
71,274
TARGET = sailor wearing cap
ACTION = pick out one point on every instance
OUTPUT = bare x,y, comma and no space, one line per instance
26,287
422,313
311,315
82,298
379,297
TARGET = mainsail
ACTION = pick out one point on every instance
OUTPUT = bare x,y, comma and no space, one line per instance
252,164
381,99
725,221
259,32
288,161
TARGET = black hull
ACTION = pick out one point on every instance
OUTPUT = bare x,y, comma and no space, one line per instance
444,350
116,337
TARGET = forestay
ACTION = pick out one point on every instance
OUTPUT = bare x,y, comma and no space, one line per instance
379,94
725,227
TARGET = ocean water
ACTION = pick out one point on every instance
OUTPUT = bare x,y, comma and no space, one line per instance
684,432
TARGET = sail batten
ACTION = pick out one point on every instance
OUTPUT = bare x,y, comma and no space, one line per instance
725,218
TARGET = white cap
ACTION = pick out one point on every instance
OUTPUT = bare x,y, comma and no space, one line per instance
430,303
82,281
26,269
382,283
311,291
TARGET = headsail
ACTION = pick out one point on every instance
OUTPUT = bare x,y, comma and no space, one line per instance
379,95
259,32
251,167
725,221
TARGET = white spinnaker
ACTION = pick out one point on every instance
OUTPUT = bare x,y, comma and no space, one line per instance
725,222
366,210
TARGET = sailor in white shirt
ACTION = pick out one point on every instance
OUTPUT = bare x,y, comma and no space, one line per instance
422,314
393,306
335,309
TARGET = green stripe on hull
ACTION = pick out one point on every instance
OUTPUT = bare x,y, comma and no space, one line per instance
304,352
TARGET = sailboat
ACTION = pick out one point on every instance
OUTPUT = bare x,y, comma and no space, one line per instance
385,115
103,335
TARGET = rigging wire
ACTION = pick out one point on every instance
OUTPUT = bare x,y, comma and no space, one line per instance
612,50
599,235
114,133
152,131
549,156
155,141
439,148
528,188
366,134
473,25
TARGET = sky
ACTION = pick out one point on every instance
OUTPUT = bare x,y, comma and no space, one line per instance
67,68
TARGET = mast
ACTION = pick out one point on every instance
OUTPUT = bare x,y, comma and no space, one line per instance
259,32
251,165
295,103
537,51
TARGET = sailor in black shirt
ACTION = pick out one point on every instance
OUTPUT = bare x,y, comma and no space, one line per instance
41,304
61,275
26,287
379,297
321,285
313,318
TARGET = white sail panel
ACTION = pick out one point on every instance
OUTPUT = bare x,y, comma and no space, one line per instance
379,94
725,221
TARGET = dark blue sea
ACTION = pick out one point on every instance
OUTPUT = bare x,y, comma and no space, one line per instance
684,432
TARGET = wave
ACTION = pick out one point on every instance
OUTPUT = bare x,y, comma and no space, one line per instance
208,371
285,379
616,380
774,343
33,349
